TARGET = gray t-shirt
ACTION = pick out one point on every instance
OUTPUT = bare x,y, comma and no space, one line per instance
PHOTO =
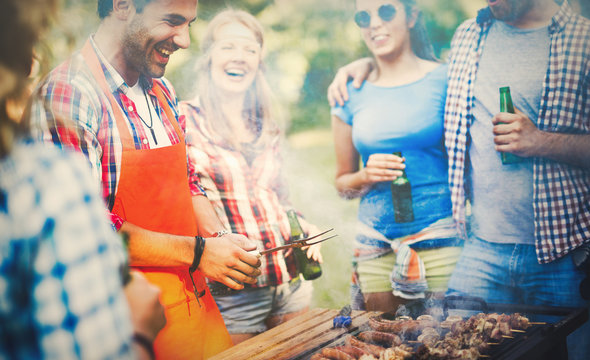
502,195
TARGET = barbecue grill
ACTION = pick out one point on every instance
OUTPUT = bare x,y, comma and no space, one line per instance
546,340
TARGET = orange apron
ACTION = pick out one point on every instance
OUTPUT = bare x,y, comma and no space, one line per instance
153,193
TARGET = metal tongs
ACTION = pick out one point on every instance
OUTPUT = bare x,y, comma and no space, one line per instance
296,243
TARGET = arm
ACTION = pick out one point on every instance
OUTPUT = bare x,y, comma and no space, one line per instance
225,259
207,220
351,181
357,70
147,313
517,134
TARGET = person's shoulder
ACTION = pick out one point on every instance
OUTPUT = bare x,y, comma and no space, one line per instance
69,80
42,179
70,71
467,26
191,109
36,158
166,87
438,74
578,27
575,33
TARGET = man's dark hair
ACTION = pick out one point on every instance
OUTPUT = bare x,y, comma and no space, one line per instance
106,6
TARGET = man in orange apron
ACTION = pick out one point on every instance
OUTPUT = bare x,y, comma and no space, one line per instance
94,104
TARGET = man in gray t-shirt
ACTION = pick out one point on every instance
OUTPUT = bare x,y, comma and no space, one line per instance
526,218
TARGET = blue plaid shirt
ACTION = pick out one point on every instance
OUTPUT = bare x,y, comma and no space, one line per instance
561,200
60,288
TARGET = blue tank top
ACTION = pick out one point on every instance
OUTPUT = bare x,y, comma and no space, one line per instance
406,118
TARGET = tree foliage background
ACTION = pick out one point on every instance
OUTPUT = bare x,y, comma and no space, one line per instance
306,41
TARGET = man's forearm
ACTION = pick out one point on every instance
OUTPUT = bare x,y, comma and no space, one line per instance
150,248
571,149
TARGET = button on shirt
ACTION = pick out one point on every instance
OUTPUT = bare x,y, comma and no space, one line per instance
70,109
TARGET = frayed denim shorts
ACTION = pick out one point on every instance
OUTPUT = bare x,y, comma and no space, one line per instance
246,311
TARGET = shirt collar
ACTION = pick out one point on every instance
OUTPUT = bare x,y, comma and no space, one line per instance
558,22
114,80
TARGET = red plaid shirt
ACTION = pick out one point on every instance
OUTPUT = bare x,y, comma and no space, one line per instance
70,109
561,200
250,197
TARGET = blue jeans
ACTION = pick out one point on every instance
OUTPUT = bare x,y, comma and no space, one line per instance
246,311
510,273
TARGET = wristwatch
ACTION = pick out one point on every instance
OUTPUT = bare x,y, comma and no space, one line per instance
220,233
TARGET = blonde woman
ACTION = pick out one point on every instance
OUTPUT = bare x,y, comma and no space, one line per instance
234,138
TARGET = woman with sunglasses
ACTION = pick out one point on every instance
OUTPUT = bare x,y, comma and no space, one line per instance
398,109
233,134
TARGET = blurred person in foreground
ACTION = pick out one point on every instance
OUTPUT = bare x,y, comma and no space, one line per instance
233,135
399,108
59,265
529,217
126,123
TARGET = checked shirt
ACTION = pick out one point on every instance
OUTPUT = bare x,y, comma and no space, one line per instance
561,192
249,195
71,110
60,286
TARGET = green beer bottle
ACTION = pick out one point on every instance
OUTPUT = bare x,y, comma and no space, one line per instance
506,106
309,268
401,195
124,269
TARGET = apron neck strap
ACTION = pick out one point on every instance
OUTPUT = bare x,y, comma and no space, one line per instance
95,67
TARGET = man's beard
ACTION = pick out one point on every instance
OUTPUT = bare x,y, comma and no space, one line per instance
135,53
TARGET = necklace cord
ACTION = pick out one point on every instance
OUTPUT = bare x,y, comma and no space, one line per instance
150,126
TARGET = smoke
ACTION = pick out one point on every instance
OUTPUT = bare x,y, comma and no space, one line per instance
310,169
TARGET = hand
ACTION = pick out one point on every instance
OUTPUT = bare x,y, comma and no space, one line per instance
516,133
147,313
382,167
226,260
313,251
358,70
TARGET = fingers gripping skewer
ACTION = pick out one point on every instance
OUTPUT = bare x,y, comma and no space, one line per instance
296,243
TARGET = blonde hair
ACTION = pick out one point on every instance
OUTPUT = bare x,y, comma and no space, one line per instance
258,102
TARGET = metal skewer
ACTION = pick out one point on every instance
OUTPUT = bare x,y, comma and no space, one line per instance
296,243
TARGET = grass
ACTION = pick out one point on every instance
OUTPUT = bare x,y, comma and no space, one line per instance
310,168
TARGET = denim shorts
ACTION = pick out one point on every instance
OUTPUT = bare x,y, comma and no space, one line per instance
246,311
510,273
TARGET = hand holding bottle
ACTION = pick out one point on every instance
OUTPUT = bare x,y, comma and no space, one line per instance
382,167
516,134
309,268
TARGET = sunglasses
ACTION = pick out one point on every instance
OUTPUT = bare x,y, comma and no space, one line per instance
386,12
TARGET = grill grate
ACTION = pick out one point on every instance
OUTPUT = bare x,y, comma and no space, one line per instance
541,341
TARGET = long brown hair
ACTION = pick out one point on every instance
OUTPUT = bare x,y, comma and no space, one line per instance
419,38
258,103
